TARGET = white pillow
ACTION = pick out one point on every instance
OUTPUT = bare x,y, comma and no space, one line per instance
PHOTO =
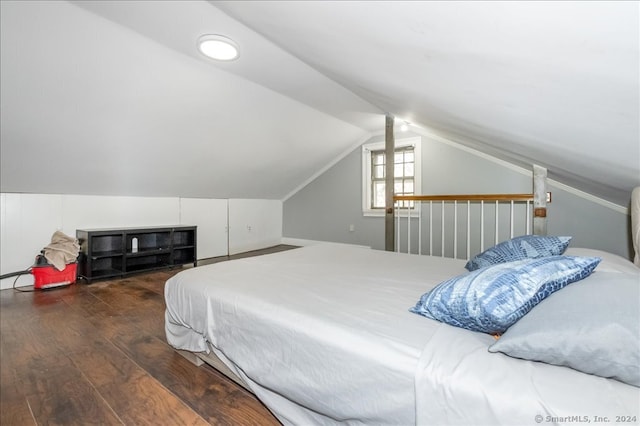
610,262
592,326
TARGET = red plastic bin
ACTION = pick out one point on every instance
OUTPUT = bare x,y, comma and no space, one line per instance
48,276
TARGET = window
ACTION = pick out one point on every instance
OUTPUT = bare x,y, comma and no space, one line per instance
406,173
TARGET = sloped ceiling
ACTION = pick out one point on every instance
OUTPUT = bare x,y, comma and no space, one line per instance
112,97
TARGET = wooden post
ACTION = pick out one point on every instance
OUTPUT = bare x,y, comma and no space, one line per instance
389,150
539,200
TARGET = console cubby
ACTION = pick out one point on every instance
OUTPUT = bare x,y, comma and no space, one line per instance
108,253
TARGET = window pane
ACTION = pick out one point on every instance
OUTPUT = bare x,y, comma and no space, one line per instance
408,169
404,172
408,186
378,195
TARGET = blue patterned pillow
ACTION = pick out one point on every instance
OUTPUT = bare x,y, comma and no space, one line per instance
491,299
524,247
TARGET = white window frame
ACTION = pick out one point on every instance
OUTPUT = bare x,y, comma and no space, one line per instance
416,142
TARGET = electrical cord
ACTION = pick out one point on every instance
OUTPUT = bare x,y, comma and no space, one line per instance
13,274
17,275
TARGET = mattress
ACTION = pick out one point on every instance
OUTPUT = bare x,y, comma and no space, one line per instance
323,335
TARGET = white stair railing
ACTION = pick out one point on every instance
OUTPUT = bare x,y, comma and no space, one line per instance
453,232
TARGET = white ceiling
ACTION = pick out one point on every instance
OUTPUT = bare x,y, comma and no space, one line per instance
113,98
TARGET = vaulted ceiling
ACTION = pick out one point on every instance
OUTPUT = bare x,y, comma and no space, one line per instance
112,97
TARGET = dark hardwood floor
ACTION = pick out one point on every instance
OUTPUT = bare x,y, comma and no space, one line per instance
97,354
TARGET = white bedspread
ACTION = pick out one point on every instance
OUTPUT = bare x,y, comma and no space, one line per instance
325,326
323,335
471,386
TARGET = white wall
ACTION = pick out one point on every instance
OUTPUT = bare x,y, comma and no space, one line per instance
88,211
254,224
28,221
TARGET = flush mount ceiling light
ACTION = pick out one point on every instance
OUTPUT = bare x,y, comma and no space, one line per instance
404,127
218,47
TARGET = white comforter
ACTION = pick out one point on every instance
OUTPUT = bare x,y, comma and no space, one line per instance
323,335
470,386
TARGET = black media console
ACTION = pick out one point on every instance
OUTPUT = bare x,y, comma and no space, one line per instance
109,253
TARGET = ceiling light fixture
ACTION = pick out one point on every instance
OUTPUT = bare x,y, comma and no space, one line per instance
404,127
218,47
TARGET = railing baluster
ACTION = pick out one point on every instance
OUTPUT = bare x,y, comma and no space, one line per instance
497,223
482,226
420,229
396,207
455,229
442,231
408,228
430,228
511,221
468,229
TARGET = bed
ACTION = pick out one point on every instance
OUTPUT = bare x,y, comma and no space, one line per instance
323,335
529,331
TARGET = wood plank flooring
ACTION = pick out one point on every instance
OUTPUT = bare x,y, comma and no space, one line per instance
97,354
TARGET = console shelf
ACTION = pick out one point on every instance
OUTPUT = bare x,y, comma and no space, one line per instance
113,252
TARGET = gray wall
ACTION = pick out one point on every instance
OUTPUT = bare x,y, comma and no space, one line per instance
591,224
326,208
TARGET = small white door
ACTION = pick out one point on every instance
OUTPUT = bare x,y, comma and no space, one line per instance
254,224
210,216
